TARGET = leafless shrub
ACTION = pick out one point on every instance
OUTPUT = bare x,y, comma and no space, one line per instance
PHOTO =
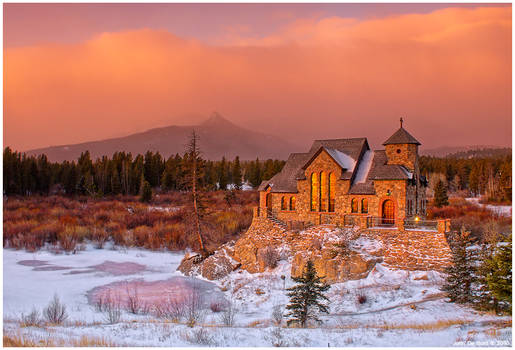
100,237
32,319
341,248
361,297
201,336
170,309
228,314
277,314
133,300
145,308
55,312
276,338
99,303
194,306
270,257
216,306
113,314
112,309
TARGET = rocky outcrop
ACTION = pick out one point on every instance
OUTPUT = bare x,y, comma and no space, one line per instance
338,254
215,266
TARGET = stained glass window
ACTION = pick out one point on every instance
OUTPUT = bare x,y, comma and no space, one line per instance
323,191
332,184
314,191
354,205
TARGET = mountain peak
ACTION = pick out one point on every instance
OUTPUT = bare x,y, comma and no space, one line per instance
216,119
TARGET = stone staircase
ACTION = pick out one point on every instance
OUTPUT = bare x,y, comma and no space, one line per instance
272,217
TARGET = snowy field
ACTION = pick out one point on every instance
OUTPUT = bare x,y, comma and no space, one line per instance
400,308
501,210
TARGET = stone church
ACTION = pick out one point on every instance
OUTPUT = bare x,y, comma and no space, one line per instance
344,182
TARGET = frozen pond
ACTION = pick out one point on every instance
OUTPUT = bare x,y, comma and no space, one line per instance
32,279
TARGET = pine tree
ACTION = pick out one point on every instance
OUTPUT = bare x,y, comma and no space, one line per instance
460,276
441,198
222,175
305,297
256,175
495,277
146,191
236,173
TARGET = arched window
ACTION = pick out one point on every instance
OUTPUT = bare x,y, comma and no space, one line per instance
314,191
364,206
323,191
283,203
292,203
354,205
332,183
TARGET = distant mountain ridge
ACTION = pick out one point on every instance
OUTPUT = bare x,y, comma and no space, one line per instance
218,137
476,151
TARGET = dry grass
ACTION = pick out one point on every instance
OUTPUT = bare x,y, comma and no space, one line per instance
429,326
19,340
473,217
66,223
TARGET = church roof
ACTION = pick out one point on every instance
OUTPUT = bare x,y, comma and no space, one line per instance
379,170
359,164
345,152
401,136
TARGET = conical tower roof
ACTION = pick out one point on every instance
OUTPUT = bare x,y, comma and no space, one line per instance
401,136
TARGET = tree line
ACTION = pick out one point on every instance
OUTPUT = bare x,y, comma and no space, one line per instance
481,274
126,174
485,176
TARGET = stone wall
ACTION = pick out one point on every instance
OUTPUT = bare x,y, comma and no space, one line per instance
339,254
413,250
407,156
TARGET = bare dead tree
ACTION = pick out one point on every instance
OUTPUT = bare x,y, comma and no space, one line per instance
193,151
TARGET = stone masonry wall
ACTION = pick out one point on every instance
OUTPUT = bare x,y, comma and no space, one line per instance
413,250
407,156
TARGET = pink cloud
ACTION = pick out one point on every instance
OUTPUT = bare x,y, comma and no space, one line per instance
449,71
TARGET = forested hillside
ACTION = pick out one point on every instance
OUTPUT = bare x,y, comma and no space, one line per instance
486,176
124,174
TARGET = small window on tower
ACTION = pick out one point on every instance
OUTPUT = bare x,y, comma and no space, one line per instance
398,150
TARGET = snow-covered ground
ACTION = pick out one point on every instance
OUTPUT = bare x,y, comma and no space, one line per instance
501,210
400,309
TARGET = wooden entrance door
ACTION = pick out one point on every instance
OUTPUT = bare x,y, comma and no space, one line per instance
388,212
269,203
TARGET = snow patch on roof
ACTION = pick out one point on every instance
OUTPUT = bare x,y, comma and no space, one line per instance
408,173
344,160
364,167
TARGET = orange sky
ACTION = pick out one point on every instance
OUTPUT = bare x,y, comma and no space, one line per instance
448,72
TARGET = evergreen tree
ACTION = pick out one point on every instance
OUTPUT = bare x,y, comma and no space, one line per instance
268,169
441,198
146,191
222,175
236,173
169,177
306,296
460,276
495,277
116,186
256,176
